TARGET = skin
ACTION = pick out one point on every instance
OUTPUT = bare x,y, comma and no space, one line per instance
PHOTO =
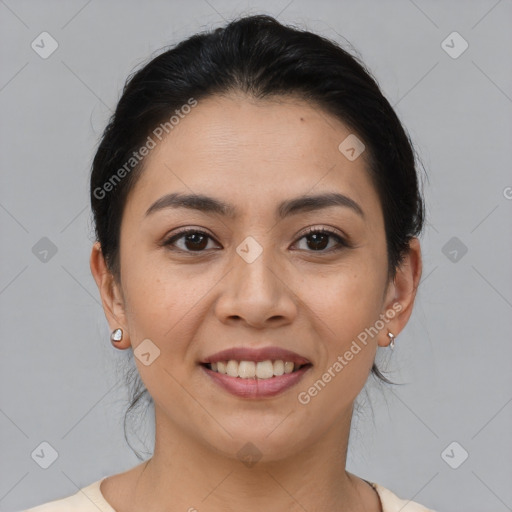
252,154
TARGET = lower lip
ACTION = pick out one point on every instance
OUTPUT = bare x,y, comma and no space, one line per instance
256,388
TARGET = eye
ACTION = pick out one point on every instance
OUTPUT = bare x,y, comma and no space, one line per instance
318,238
193,239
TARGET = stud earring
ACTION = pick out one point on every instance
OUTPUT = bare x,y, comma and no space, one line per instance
117,335
392,342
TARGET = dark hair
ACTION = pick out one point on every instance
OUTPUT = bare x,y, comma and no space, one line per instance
262,58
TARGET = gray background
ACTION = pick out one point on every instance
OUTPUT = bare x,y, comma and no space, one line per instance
60,380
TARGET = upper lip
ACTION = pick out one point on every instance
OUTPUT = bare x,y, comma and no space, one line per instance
259,354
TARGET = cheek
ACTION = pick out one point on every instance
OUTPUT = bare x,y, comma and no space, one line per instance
346,303
344,310
350,298
152,303
164,304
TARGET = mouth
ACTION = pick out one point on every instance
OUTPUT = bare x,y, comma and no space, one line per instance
255,373
260,370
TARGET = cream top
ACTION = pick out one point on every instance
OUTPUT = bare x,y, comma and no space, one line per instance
90,499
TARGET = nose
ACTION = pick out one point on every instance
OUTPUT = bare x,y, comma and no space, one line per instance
258,293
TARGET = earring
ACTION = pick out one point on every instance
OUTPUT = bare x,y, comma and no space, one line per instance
117,335
392,342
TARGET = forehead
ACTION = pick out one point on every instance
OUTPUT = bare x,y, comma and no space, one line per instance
242,148
236,127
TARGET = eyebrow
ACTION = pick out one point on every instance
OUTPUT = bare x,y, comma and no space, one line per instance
288,207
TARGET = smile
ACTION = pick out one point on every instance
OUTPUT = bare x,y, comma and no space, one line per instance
255,369
255,372
245,382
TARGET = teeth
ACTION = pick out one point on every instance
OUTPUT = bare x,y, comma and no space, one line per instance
246,369
278,367
251,369
264,369
232,368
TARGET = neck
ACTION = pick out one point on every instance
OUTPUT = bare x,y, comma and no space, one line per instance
184,474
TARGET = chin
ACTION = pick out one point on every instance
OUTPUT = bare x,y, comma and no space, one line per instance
259,444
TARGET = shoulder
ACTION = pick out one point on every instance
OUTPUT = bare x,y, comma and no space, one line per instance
87,499
392,503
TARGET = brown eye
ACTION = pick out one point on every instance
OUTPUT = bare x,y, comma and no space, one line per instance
318,240
193,240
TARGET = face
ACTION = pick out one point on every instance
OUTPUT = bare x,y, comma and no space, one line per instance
254,277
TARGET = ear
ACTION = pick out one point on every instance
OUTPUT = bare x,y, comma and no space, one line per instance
111,295
401,292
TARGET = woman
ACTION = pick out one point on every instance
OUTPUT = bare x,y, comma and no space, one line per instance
257,210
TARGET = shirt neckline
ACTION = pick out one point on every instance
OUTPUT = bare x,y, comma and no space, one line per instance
375,488
103,501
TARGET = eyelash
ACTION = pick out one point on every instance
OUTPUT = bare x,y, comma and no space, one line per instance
342,243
